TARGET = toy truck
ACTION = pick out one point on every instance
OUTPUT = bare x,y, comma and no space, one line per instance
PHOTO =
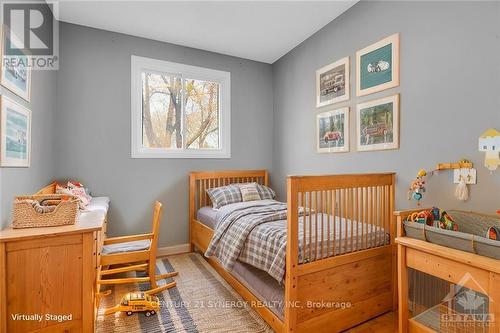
137,302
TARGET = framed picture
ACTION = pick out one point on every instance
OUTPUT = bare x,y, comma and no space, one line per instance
15,72
378,124
333,83
15,134
377,66
332,131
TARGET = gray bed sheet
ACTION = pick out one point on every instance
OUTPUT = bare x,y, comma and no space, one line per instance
262,285
206,215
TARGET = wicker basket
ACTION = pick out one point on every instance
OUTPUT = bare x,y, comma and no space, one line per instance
25,216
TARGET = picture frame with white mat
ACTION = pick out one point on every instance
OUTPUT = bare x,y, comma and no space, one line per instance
333,83
15,70
377,124
15,134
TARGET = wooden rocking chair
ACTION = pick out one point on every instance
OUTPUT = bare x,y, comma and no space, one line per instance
133,253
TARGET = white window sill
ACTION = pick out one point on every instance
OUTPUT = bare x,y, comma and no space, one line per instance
154,153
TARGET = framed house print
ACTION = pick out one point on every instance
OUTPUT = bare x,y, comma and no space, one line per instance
377,66
332,131
15,134
15,74
333,83
377,124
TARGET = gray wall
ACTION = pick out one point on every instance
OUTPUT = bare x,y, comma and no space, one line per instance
19,181
450,79
450,83
93,127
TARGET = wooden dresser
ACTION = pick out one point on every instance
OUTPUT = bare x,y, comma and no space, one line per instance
48,275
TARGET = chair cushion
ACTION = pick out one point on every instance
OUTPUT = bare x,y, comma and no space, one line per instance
126,247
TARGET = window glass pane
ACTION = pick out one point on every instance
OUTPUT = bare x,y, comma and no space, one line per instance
202,114
161,111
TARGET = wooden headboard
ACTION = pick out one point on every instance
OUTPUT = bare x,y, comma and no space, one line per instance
201,181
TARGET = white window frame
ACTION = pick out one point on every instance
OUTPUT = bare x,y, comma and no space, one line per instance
141,64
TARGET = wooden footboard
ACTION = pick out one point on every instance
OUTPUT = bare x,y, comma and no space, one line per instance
337,275
340,271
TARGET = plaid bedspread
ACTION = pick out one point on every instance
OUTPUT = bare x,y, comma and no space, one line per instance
255,233
236,223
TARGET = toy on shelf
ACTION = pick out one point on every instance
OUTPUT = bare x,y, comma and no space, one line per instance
423,217
433,218
493,233
489,142
137,302
417,187
436,213
447,222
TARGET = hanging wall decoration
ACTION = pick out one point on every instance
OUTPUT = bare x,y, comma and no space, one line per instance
333,83
489,142
417,187
15,134
15,73
332,131
377,66
378,124
463,174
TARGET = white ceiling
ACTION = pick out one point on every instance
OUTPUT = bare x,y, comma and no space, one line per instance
257,30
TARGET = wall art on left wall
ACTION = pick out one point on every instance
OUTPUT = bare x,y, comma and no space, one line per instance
15,134
15,74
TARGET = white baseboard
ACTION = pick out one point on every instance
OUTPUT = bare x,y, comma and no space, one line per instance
175,249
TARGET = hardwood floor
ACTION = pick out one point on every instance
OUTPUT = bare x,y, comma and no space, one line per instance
386,323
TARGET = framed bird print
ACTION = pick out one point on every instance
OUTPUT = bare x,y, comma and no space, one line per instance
15,71
15,134
377,66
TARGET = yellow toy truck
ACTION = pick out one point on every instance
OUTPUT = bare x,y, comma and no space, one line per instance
137,302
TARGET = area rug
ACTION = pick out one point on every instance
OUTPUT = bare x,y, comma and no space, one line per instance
201,302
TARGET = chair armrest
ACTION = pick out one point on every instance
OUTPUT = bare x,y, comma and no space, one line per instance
124,239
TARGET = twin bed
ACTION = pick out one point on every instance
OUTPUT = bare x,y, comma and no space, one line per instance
326,258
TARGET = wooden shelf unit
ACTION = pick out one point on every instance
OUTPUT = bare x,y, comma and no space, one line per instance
446,264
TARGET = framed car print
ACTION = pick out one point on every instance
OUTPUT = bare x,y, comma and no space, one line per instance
332,131
377,124
333,83
377,66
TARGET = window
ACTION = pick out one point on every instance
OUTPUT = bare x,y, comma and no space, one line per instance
179,111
